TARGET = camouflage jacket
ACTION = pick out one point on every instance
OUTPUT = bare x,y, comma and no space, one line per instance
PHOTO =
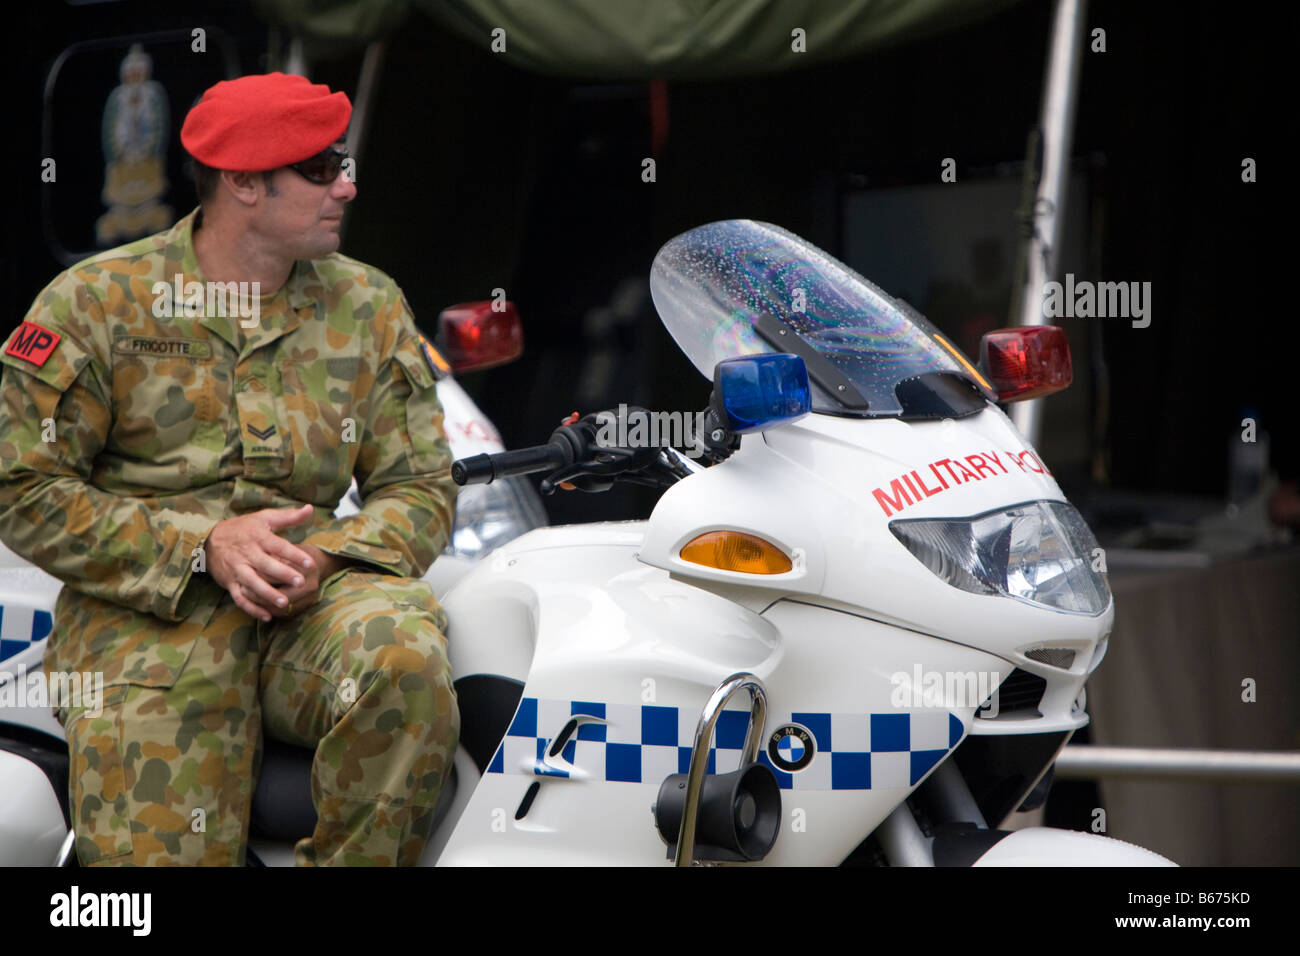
127,430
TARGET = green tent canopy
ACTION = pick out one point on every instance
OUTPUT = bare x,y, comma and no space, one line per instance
644,39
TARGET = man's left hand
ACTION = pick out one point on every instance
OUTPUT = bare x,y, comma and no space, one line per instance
304,595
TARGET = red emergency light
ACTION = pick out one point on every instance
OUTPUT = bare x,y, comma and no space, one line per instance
1026,362
475,335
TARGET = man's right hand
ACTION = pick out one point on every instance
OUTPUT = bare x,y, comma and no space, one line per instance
248,558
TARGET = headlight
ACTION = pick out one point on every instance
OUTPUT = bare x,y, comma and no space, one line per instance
487,516
1041,552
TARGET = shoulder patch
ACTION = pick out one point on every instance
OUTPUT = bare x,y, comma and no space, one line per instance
33,343
436,362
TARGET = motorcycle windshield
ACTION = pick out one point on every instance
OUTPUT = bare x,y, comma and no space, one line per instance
710,285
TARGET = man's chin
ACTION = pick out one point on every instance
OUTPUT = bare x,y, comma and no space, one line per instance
324,246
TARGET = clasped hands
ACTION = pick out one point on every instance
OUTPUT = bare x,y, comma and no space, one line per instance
266,575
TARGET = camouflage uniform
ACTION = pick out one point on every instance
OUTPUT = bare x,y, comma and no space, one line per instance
161,427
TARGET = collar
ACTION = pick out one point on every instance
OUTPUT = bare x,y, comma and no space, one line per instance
294,303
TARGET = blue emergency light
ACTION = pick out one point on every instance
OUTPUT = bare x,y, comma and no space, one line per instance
762,391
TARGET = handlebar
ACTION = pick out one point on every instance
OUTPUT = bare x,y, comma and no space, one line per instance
484,469
575,457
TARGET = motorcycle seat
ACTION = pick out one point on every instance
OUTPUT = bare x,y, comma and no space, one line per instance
282,806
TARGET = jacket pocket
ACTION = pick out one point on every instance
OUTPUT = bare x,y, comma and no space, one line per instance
267,449
170,410
426,441
94,636
323,425
101,806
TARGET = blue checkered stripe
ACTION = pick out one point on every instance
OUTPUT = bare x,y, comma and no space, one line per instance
644,744
20,628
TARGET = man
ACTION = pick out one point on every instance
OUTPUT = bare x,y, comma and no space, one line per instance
179,471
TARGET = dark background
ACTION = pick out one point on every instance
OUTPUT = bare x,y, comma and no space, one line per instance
477,175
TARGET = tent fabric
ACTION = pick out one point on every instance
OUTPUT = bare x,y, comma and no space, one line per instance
637,39
335,27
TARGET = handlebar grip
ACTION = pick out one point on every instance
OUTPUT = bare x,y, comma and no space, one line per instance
484,469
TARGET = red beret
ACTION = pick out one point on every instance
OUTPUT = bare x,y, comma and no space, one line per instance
263,122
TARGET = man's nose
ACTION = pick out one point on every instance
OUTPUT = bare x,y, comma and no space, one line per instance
343,188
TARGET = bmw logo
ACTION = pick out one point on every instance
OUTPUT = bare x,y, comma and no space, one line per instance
791,748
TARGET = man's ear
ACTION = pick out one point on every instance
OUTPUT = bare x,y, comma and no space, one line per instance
245,187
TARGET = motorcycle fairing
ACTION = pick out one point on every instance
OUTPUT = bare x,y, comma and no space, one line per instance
643,743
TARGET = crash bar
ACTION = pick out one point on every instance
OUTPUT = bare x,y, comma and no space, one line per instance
700,753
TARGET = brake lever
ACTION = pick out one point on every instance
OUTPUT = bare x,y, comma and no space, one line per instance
576,476
599,472
615,463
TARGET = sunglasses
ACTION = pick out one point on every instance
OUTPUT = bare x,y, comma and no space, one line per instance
323,168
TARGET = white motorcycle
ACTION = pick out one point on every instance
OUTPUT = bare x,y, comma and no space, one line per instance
860,541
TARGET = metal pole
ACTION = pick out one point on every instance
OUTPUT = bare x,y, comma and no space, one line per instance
1088,762
296,61
954,797
1040,253
902,840
367,86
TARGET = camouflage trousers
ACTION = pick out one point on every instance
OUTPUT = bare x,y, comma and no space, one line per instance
165,775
